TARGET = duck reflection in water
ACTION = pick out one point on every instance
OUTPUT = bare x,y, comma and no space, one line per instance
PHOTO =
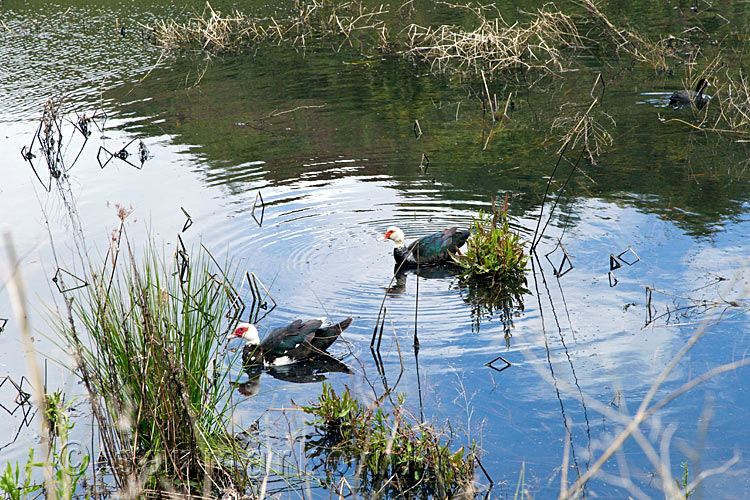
303,372
401,273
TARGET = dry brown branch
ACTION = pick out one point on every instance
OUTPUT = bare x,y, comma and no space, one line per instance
584,127
642,49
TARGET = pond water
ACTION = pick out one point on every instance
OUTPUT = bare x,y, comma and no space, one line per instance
327,139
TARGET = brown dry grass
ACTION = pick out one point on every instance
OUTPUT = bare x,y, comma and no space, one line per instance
734,103
584,127
546,40
653,53
216,33
494,45
210,31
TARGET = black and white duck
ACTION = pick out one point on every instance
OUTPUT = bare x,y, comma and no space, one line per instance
432,249
295,342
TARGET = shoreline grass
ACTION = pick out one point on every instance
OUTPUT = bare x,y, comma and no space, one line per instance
145,343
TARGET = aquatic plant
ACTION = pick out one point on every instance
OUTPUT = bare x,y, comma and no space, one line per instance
68,469
682,483
145,343
502,303
393,455
15,486
494,253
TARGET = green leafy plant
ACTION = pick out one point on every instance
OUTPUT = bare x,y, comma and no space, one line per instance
67,474
392,454
494,253
683,483
11,483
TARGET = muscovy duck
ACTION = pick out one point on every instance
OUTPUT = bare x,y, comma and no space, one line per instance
297,341
686,97
432,249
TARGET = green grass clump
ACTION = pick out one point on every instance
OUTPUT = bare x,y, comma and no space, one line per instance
145,339
494,253
393,456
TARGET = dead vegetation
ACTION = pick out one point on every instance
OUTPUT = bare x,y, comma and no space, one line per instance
726,107
734,103
494,45
545,40
623,41
217,33
328,18
210,31
585,128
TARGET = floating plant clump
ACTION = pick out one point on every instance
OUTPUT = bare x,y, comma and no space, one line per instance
493,252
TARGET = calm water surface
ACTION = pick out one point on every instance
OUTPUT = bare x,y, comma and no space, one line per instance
338,166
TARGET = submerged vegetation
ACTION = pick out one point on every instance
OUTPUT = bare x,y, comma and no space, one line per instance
393,456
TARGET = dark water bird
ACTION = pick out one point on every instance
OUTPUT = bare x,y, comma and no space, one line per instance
295,342
431,249
686,97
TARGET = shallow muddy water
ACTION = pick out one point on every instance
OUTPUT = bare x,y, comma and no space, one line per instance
327,139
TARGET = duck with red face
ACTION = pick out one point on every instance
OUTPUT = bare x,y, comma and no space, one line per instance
297,341
433,249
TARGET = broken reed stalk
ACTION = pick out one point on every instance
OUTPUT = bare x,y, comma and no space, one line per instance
585,128
538,237
416,306
17,294
632,43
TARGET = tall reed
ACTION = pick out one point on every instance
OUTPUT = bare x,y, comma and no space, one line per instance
144,335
